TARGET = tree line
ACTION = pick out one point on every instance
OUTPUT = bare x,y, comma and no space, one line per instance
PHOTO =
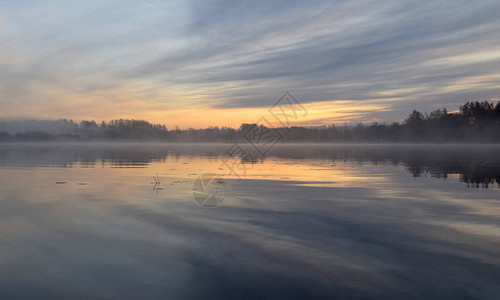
473,122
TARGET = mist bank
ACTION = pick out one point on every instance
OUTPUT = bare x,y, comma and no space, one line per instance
475,122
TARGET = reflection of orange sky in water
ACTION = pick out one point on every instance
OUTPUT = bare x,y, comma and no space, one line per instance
117,178
310,173
132,184
120,181
350,182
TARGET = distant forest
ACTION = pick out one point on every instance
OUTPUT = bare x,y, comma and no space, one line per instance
474,122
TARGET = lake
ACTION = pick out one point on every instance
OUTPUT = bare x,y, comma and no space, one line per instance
149,221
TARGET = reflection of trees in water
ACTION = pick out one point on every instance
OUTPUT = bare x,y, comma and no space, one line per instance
478,180
478,166
475,173
90,155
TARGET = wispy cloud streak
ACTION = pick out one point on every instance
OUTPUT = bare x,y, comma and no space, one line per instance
144,59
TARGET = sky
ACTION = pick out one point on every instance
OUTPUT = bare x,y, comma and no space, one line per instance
200,63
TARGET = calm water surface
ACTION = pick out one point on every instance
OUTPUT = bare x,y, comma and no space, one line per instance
306,222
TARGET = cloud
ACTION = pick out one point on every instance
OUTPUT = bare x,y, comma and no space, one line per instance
245,54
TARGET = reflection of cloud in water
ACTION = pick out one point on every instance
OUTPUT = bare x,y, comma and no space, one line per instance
476,165
322,234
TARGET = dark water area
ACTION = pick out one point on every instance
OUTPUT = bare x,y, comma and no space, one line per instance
323,221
